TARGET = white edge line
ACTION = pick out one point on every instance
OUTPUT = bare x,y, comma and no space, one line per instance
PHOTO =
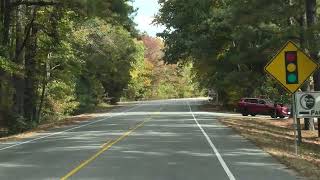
222,162
61,132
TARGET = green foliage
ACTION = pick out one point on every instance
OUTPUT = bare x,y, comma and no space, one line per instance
187,85
81,53
271,90
10,67
89,93
140,82
151,78
230,41
108,52
18,124
61,98
114,12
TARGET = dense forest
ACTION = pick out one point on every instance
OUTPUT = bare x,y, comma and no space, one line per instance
230,41
63,57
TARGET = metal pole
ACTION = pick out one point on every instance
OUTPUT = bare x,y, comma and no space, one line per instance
295,123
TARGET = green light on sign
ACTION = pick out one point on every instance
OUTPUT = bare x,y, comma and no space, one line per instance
292,78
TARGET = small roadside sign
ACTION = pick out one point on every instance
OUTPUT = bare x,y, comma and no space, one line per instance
291,67
307,104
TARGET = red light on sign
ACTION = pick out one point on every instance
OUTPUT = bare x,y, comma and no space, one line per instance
291,56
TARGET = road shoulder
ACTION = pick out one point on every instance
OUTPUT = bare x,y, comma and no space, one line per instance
64,122
276,137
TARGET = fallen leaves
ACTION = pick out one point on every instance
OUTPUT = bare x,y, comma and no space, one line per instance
275,136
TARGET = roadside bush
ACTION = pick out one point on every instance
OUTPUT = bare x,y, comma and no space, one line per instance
18,125
61,101
89,93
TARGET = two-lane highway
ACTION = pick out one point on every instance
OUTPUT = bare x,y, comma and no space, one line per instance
155,140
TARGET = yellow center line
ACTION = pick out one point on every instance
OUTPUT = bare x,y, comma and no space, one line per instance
104,148
106,144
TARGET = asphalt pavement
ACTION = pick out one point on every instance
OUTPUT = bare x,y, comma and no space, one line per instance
151,140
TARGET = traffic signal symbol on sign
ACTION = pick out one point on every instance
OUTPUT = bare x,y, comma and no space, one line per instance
291,67
291,61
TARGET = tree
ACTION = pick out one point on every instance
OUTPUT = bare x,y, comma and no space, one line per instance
110,52
226,40
311,14
45,73
151,78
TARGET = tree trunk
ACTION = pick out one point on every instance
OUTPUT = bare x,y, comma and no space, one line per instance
6,22
2,7
30,94
5,29
318,128
43,93
311,9
1,70
306,86
18,80
46,77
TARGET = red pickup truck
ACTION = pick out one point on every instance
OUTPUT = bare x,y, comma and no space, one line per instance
254,106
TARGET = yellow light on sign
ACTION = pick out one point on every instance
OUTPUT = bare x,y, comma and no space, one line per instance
291,67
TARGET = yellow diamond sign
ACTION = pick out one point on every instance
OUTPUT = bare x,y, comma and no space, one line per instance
291,67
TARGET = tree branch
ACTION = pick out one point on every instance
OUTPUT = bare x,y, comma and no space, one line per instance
35,3
28,30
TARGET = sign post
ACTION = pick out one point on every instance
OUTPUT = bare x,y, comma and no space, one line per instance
295,125
291,67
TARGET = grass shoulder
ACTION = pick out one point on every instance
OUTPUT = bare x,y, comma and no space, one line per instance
276,137
98,111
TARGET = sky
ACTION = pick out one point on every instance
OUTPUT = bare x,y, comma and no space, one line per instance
145,16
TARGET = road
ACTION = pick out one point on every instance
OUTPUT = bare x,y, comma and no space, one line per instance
156,140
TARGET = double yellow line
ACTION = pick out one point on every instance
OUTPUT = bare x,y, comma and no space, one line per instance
104,148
